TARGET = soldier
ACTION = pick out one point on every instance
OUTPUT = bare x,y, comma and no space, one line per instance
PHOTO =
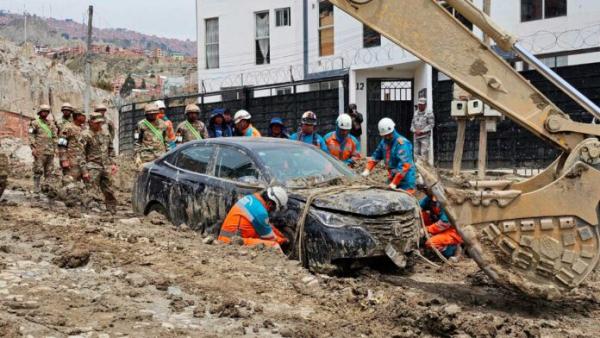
422,126
3,172
70,151
110,126
191,129
150,136
67,111
42,139
99,157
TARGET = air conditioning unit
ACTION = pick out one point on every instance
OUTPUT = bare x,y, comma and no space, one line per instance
459,109
475,107
491,112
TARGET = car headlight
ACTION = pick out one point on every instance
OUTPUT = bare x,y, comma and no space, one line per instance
333,220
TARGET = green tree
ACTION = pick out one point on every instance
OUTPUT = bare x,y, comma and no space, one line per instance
128,86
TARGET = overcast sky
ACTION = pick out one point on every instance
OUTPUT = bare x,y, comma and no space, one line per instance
166,18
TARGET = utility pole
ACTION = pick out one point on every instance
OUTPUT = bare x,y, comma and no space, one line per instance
483,134
24,27
88,63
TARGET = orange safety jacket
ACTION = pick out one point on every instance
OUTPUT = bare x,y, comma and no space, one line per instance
249,219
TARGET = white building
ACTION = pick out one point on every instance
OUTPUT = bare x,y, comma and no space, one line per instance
260,42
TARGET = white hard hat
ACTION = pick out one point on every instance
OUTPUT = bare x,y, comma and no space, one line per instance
241,115
386,126
309,118
344,122
278,196
160,104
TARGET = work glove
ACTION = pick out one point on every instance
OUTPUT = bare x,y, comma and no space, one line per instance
65,164
366,173
393,186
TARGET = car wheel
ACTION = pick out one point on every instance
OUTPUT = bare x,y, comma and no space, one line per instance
158,208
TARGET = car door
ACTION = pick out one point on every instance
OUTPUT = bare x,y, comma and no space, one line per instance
237,176
188,200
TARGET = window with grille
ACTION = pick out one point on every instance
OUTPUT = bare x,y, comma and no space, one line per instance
212,43
370,37
542,9
326,32
283,17
263,41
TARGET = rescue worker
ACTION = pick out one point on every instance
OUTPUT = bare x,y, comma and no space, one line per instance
191,129
3,172
229,120
243,125
422,126
357,120
397,153
342,145
99,158
42,139
72,160
277,129
217,126
444,236
67,111
108,124
307,132
162,115
249,219
150,136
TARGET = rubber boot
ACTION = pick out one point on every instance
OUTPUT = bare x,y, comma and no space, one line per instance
37,188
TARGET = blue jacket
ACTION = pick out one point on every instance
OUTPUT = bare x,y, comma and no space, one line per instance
399,160
284,131
436,213
214,130
314,139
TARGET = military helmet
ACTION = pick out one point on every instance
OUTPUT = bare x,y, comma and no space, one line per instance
100,107
44,107
96,117
67,106
192,108
151,108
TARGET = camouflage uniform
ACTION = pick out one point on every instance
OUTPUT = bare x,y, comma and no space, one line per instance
42,139
189,131
150,146
99,157
3,172
422,127
70,149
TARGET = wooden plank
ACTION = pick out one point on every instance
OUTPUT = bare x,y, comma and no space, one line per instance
460,145
482,158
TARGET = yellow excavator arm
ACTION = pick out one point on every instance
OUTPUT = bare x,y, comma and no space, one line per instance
540,236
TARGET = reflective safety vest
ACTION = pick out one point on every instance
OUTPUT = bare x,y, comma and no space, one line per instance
251,132
398,157
249,219
347,151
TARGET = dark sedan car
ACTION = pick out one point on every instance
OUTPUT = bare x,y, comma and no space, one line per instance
197,183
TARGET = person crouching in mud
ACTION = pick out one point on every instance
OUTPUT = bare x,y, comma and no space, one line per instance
248,219
443,236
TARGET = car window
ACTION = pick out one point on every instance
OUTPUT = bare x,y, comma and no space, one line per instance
233,164
196,158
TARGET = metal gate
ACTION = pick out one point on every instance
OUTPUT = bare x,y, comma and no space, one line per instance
391,98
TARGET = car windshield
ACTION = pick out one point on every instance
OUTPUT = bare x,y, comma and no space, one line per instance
298,166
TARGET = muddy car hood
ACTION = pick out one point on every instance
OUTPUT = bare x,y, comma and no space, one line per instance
368,202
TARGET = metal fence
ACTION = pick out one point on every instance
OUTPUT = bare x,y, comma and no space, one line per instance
512,146
286,100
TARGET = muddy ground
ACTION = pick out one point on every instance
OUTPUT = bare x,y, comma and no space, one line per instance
87,274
